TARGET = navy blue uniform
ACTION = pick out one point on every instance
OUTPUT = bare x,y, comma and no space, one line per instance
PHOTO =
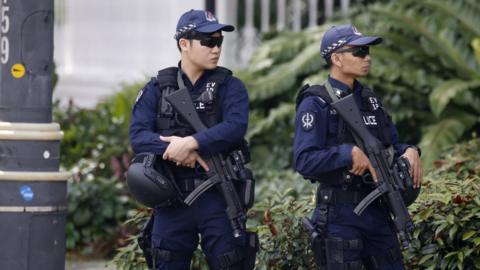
318,153
176,229
233,98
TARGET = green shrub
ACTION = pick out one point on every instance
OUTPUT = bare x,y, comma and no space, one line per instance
284,243
130,256
435,42
95,150
447,218
96,209
447,214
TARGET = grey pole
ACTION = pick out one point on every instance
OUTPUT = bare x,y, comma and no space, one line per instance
32,190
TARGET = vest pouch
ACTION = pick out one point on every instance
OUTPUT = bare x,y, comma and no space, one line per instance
386,122
243,177
246,188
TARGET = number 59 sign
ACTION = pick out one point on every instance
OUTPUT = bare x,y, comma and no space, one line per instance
4,29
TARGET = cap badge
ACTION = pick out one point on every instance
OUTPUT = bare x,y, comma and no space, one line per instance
210,17
355,31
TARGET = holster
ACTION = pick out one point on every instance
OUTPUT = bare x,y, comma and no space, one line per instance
145,241
241,258
243,176
251,251
319,252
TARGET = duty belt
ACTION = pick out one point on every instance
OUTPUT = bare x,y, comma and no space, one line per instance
340,195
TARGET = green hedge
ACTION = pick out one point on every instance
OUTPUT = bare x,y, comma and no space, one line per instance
447,218
447,214
95,149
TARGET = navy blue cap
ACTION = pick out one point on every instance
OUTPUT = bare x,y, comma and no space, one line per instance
339,36
200,21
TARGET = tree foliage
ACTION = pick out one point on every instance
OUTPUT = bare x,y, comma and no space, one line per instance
447,213
447,218
95,150
427,71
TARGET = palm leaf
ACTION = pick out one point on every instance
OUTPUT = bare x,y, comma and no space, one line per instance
281,112
476,49
443,46
443,134
470,99
269,54
442,94
284,76
284,48
466,14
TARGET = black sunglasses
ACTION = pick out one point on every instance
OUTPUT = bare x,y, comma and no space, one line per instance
208,41
357,51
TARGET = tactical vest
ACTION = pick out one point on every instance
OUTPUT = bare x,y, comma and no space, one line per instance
169,121
375,117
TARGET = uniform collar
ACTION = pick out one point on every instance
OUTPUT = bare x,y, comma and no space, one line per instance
200,80
345,90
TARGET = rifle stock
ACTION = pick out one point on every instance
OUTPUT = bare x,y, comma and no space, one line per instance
181,102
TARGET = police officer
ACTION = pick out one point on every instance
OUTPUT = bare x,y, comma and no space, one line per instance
222,103
327,152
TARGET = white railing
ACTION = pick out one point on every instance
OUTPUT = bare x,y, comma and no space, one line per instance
289,16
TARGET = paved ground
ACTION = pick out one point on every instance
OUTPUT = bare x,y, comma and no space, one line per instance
87,265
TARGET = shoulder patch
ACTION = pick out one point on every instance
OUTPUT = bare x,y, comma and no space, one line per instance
308,120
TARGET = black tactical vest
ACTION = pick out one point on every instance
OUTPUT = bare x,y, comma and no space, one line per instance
375,117
168,121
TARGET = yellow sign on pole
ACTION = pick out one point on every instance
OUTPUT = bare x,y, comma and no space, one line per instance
18,71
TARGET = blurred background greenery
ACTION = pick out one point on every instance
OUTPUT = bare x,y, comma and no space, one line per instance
427,72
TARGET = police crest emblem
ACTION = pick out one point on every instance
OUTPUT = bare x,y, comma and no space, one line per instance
210,17
307,121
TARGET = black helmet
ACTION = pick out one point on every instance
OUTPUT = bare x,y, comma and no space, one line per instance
151,183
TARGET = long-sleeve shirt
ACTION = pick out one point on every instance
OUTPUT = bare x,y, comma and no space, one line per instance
231,99
316,150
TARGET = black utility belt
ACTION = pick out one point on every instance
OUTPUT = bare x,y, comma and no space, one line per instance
335,195
343,177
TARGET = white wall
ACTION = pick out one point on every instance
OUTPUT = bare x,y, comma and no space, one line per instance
100,44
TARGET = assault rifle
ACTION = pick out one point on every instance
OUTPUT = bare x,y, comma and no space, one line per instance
220,173
390,185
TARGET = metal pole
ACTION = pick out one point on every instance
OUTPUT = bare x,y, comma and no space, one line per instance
312,13
226,12
328,9
249,33
297,15
281,14
32,191
265,26
345,6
